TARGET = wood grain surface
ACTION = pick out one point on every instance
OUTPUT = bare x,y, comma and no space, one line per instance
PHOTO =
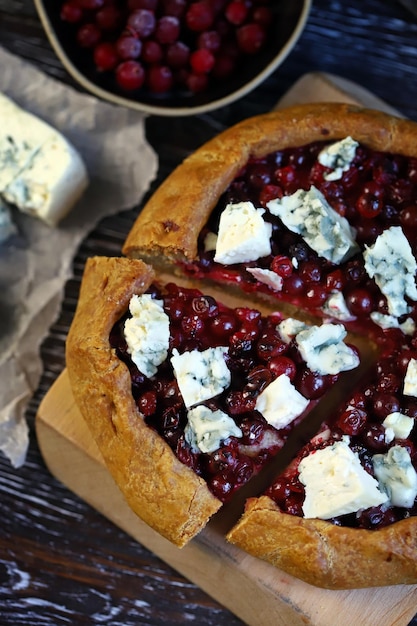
61,562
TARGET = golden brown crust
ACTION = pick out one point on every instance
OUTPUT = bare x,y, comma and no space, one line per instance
168,227
326,555
162,491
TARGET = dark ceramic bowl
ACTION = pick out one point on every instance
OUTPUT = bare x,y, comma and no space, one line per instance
290,17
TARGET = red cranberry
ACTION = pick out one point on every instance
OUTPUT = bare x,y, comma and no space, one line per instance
310,384
282,266
129,47
130,75
152,52
167,29
174,7
258,378
293,285
282,365
236,12
359,302
143,22
202,61
147,403
223,325
197,83
316,295
374,437
210,39
71,12
279,491
239,402
263,16
199,16
371,201
109,18
160,78
88,35
250,38
352,421
224,66
105,56
384,404
408,216
177,54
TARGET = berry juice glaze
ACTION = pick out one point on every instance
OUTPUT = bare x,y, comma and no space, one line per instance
255,357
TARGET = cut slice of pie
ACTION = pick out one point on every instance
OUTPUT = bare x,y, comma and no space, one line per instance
343,513
187,398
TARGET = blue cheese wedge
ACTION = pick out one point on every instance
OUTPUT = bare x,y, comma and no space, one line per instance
336,483
323,349
338,157
310,215
40,171
243,234
206,429
391,263
410,380
397,476
147,333
280,402
201,375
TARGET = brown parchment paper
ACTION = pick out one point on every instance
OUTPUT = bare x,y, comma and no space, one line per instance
36,262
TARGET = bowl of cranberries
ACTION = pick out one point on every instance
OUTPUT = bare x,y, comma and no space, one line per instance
172,57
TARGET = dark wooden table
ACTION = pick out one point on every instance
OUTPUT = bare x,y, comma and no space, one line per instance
61,562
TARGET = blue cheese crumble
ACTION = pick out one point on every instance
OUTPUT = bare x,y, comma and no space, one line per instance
267,277
280,402
397,476
201,375
410,380
391,263
324,351
336,483
310,215
206,429
338,157
147,333
397,426
243,234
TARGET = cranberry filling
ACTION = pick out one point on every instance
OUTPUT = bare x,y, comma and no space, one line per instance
361,418
256,356
379,190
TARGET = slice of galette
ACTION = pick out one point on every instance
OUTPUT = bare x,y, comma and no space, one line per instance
344,512
187,398
314,205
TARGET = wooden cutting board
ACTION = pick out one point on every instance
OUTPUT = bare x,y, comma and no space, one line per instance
255,591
